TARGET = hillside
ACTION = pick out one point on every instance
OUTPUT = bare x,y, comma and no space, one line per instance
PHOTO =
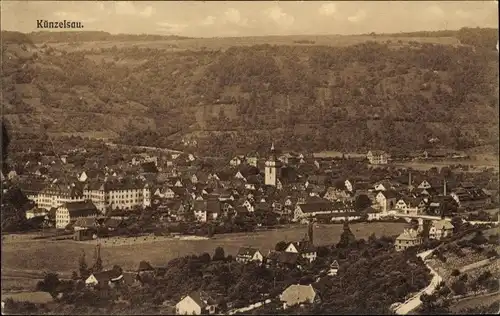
345,93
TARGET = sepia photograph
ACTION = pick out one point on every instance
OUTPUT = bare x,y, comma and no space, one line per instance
250,158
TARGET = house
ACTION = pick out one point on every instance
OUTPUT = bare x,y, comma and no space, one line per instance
409,238
85,223
36,212
385,186
305,249
71,211
206,210
248,254
424,185
409,205
195,303
373,214
104,278
440,229
290,260
297,294
386,200
377,157
334,268
237,160
333,194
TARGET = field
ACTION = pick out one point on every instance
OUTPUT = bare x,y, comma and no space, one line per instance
62,256
34,297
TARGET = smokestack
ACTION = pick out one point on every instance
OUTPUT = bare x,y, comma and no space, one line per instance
409,179
444,188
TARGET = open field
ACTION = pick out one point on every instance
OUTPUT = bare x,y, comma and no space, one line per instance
33,297
484,300
62,256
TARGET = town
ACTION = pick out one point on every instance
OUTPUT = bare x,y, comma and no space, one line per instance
150,196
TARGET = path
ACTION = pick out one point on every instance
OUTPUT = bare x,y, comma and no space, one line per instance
415,301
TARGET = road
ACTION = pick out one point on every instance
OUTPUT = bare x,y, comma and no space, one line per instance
415,301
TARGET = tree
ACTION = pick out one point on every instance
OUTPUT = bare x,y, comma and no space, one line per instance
84,270
362,202
49,284
346,238
281,246
219,254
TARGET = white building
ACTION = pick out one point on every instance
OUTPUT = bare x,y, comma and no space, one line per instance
124,195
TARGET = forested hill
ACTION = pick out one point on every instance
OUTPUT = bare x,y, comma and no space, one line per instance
82,36
389,94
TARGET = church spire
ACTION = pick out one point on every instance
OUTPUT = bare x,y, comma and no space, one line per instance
272,147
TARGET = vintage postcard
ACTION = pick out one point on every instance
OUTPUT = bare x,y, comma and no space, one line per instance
250,157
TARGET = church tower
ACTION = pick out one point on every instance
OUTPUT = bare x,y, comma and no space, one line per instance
272,164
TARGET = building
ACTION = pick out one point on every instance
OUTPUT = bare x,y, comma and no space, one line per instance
377,157
104,278
272,165
334,268
411,206
71,211
120,194
36,212
195,303
237,160
386,200
297,294
409,238
468,196
248,254
56,194
440,229
305,249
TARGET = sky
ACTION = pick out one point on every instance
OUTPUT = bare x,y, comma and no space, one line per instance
246,18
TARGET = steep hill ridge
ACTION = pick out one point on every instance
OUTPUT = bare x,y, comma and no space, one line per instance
384,94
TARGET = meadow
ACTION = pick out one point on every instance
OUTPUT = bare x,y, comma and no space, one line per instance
62,256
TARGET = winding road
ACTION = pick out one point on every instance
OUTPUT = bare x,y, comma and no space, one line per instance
415,301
